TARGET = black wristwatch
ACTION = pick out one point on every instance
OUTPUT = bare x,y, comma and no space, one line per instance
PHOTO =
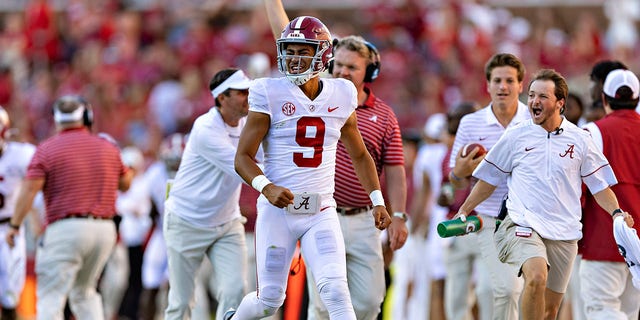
13,226
616,211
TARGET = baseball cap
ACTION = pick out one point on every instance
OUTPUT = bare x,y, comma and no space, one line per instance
619,78
238,80
435,125
629,247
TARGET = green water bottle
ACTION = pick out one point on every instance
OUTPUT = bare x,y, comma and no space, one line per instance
458,227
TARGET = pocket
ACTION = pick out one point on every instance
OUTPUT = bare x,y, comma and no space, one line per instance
501,239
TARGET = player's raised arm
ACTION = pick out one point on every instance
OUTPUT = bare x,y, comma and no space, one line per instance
277,16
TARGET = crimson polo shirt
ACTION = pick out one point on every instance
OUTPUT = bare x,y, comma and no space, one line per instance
81,173
380,131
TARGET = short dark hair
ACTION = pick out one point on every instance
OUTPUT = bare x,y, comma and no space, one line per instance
504,60
602,68
219,78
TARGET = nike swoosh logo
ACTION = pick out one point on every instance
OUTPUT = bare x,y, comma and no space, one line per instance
482,138
332,109
529,149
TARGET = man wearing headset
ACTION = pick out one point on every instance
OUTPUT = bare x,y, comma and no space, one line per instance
359,62
79,174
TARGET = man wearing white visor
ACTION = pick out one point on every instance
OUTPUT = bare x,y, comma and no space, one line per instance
202,211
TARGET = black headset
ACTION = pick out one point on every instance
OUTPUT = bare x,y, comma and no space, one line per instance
373,68
87,114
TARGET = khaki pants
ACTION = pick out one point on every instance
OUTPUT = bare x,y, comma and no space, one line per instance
187,245
69,261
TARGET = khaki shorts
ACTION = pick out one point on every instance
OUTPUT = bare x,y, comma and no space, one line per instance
515,248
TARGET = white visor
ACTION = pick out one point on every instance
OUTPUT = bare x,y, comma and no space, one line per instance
238,80
75,115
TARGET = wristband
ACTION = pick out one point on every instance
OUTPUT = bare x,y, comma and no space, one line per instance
616,211
401,215
259,182
13,226
376,198
454,177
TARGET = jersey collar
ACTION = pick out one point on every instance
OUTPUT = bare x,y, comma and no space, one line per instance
371,99
522,114
82,128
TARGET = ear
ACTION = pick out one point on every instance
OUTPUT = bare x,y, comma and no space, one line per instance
561,104
221,98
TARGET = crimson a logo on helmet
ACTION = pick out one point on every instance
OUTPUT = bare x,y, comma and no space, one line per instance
288,109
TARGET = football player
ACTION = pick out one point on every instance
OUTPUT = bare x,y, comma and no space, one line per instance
14,159
298,120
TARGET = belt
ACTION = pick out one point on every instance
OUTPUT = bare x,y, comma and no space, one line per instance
351,211
5,220
85,216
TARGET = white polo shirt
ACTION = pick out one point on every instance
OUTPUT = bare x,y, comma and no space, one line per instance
206,189
544,173
483,127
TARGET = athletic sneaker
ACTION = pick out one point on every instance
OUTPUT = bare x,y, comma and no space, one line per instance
229,314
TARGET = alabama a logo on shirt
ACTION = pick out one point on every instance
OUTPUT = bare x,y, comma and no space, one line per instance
568,152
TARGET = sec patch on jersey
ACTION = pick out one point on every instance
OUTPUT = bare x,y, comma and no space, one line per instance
467,148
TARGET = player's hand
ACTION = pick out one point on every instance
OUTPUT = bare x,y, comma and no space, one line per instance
627,218
397,232
382,217
460,215
277,195
465,165
10,236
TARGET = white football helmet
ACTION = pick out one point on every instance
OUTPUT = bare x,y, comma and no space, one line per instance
171,150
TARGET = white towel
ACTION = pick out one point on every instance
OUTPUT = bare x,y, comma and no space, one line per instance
629,247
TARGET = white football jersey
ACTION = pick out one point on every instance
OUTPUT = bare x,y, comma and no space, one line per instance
13,166
300,146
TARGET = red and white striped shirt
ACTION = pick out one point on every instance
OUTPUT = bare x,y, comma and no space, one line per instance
381,134
81,173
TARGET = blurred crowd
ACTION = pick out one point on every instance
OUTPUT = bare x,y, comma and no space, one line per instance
145,71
